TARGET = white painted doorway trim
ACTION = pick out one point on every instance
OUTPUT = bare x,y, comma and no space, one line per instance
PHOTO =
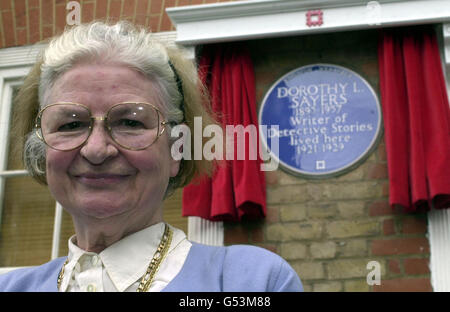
243,20
439,220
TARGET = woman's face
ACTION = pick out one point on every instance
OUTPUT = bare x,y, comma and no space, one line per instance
101,179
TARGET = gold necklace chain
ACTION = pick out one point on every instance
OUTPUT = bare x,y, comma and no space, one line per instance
158,257
153,267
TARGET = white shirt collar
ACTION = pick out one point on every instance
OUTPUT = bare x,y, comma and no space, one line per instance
127,260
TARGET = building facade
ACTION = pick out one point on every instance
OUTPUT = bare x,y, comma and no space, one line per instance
335,232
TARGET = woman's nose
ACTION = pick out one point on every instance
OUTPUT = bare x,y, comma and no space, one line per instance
99,145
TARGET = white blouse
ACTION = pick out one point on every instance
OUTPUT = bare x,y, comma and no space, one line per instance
121,266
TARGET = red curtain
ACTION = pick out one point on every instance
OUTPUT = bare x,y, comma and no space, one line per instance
237,189
416,119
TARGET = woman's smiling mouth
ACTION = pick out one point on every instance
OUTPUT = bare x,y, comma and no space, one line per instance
101,179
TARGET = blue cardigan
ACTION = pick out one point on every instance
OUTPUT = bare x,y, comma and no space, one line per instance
237,268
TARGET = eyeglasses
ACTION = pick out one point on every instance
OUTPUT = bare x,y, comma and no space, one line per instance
65,126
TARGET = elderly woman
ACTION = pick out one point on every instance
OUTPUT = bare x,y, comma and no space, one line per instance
97,113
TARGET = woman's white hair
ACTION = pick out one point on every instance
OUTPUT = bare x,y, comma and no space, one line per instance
121,43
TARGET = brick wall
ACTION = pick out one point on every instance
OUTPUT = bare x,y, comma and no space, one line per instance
330,229
29,21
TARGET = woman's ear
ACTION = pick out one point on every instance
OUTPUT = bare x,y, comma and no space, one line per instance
174,167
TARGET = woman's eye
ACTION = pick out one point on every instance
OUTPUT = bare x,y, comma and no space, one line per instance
131,123
71,126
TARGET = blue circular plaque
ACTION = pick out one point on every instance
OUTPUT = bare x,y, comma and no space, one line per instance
320,120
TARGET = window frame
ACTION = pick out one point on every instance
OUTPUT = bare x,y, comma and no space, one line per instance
15,64
8,81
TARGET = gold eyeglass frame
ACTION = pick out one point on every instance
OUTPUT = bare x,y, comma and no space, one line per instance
105,125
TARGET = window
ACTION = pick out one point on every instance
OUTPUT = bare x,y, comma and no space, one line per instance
27,211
